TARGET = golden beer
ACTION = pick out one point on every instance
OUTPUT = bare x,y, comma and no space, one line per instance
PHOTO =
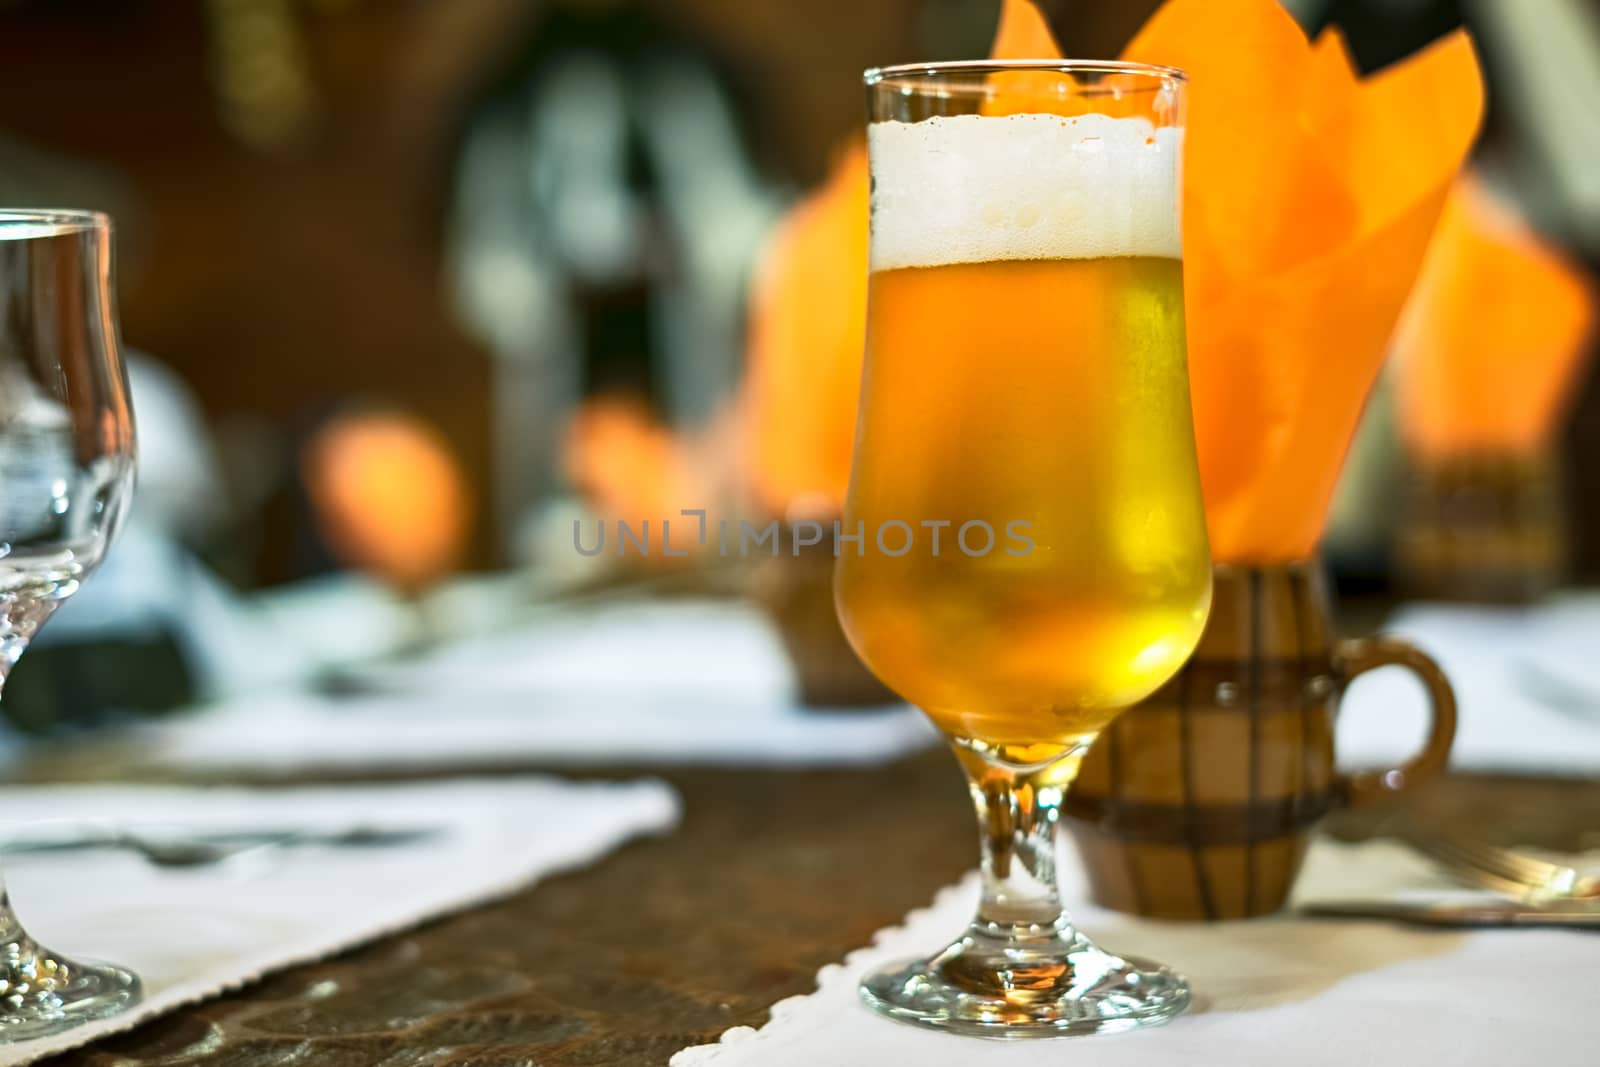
1046,399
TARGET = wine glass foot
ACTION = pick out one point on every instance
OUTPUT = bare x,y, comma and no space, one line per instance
43,992
1082,991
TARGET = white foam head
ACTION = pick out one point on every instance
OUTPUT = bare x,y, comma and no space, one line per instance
974,188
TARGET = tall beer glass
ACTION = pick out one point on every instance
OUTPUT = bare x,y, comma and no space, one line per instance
1033,556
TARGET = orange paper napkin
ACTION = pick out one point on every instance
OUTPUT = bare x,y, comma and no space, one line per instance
1023,33
808,334
1492,343
1310,196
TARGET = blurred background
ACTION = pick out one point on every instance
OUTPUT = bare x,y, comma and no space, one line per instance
406,285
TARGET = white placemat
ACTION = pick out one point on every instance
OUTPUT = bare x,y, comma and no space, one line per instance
1527,681
668,683
192,933
1269,992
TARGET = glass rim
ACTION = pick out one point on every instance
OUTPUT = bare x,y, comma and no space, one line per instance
35,222
874,76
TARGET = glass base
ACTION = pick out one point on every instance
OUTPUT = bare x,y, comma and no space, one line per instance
1027,983
43,993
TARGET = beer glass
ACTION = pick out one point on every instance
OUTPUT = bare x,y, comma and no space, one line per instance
66,472
1024,551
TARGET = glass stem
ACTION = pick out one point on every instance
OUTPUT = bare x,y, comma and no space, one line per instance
1018,807
17,627
1021,968
11,648
20,619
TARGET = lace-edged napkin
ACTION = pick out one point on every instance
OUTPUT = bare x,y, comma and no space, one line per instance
1268,991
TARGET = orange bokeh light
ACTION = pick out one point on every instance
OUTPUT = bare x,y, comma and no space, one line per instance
389,497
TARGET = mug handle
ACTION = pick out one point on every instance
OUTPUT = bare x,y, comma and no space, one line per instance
1355,657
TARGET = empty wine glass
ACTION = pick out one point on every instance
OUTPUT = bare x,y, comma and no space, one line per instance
66,473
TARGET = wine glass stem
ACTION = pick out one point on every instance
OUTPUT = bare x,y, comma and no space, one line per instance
11,648
41,991
17,627
20,619
1018,808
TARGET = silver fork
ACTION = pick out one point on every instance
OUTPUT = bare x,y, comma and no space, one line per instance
203,849
1506,871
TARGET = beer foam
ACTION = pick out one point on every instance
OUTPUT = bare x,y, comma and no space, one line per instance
974,188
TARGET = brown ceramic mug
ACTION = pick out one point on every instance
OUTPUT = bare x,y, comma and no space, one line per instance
795,589
1199,802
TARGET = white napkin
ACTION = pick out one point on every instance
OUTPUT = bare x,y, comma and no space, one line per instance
1269,992
193,932
1527,681
656,683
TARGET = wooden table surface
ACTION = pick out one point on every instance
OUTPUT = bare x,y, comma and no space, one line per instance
670,941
